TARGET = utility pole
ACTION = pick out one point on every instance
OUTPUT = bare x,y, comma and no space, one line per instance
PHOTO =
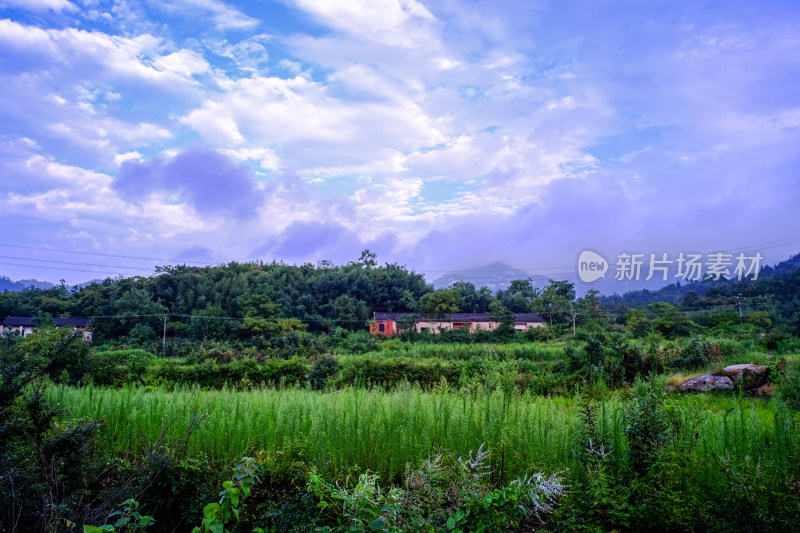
739,303
574,314
164,338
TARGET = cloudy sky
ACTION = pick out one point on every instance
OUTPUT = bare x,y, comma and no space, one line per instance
441,134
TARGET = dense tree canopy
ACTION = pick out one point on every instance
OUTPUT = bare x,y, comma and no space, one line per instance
203,300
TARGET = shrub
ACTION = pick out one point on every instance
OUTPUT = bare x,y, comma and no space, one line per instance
692,355
321,370
119,366
788,390
45,460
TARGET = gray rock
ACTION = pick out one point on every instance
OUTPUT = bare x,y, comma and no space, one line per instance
747,376
706,383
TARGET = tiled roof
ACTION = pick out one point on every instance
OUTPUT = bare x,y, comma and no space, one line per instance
381,315
461,317
30,322
75,321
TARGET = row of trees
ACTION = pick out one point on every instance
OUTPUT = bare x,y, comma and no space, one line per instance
234,299
269,300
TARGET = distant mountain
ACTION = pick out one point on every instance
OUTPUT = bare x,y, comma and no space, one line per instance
90,282
7,284
496,276
779,280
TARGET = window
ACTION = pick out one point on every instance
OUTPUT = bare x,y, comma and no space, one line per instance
381,328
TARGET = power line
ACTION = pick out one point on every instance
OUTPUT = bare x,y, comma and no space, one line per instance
99,254
58,268
78,263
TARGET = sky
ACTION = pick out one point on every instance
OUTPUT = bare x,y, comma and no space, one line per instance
439,134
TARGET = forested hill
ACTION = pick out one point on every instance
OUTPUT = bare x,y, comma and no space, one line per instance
776,290
7,284
322,296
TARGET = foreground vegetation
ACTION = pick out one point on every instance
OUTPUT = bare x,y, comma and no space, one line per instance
267,409
482,449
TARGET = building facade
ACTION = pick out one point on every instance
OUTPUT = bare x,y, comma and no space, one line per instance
386,323
24,325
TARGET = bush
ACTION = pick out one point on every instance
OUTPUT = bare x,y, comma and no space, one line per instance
46,461
445,494
788,390
694,354
116,367
321,370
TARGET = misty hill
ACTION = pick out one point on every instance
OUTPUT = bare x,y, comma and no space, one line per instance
7,284
776,291
495,276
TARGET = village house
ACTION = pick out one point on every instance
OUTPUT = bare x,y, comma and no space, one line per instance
386,323
24,325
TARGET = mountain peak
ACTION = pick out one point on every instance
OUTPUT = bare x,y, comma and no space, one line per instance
496,276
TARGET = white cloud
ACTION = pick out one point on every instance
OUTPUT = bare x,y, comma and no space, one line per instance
127,156
266,157
85,52
309,126
221,14
248,55
40,5
392,21
183,62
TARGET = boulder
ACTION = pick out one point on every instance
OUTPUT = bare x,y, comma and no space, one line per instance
706,383
747,377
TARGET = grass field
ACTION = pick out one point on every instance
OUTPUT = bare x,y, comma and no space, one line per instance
382,431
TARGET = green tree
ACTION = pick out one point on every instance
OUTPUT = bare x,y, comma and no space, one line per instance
406,322
555,301
499,313
472,300
760,319
637,322
517,298
44,457
368,259
135,307
436,305
439,303
210,323
670,321
260,314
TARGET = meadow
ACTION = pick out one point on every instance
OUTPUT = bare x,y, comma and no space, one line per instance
409,437
375,429
705,452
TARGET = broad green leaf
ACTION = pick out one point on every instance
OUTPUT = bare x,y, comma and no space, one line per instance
211,509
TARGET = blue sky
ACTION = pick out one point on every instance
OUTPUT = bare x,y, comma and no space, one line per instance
441,134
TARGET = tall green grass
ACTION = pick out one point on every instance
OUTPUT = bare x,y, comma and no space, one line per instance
383,430
526,351
373,429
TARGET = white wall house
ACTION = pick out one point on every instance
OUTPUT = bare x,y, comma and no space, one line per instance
24,325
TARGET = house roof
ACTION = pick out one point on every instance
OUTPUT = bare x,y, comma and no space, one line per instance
31,322
460,317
